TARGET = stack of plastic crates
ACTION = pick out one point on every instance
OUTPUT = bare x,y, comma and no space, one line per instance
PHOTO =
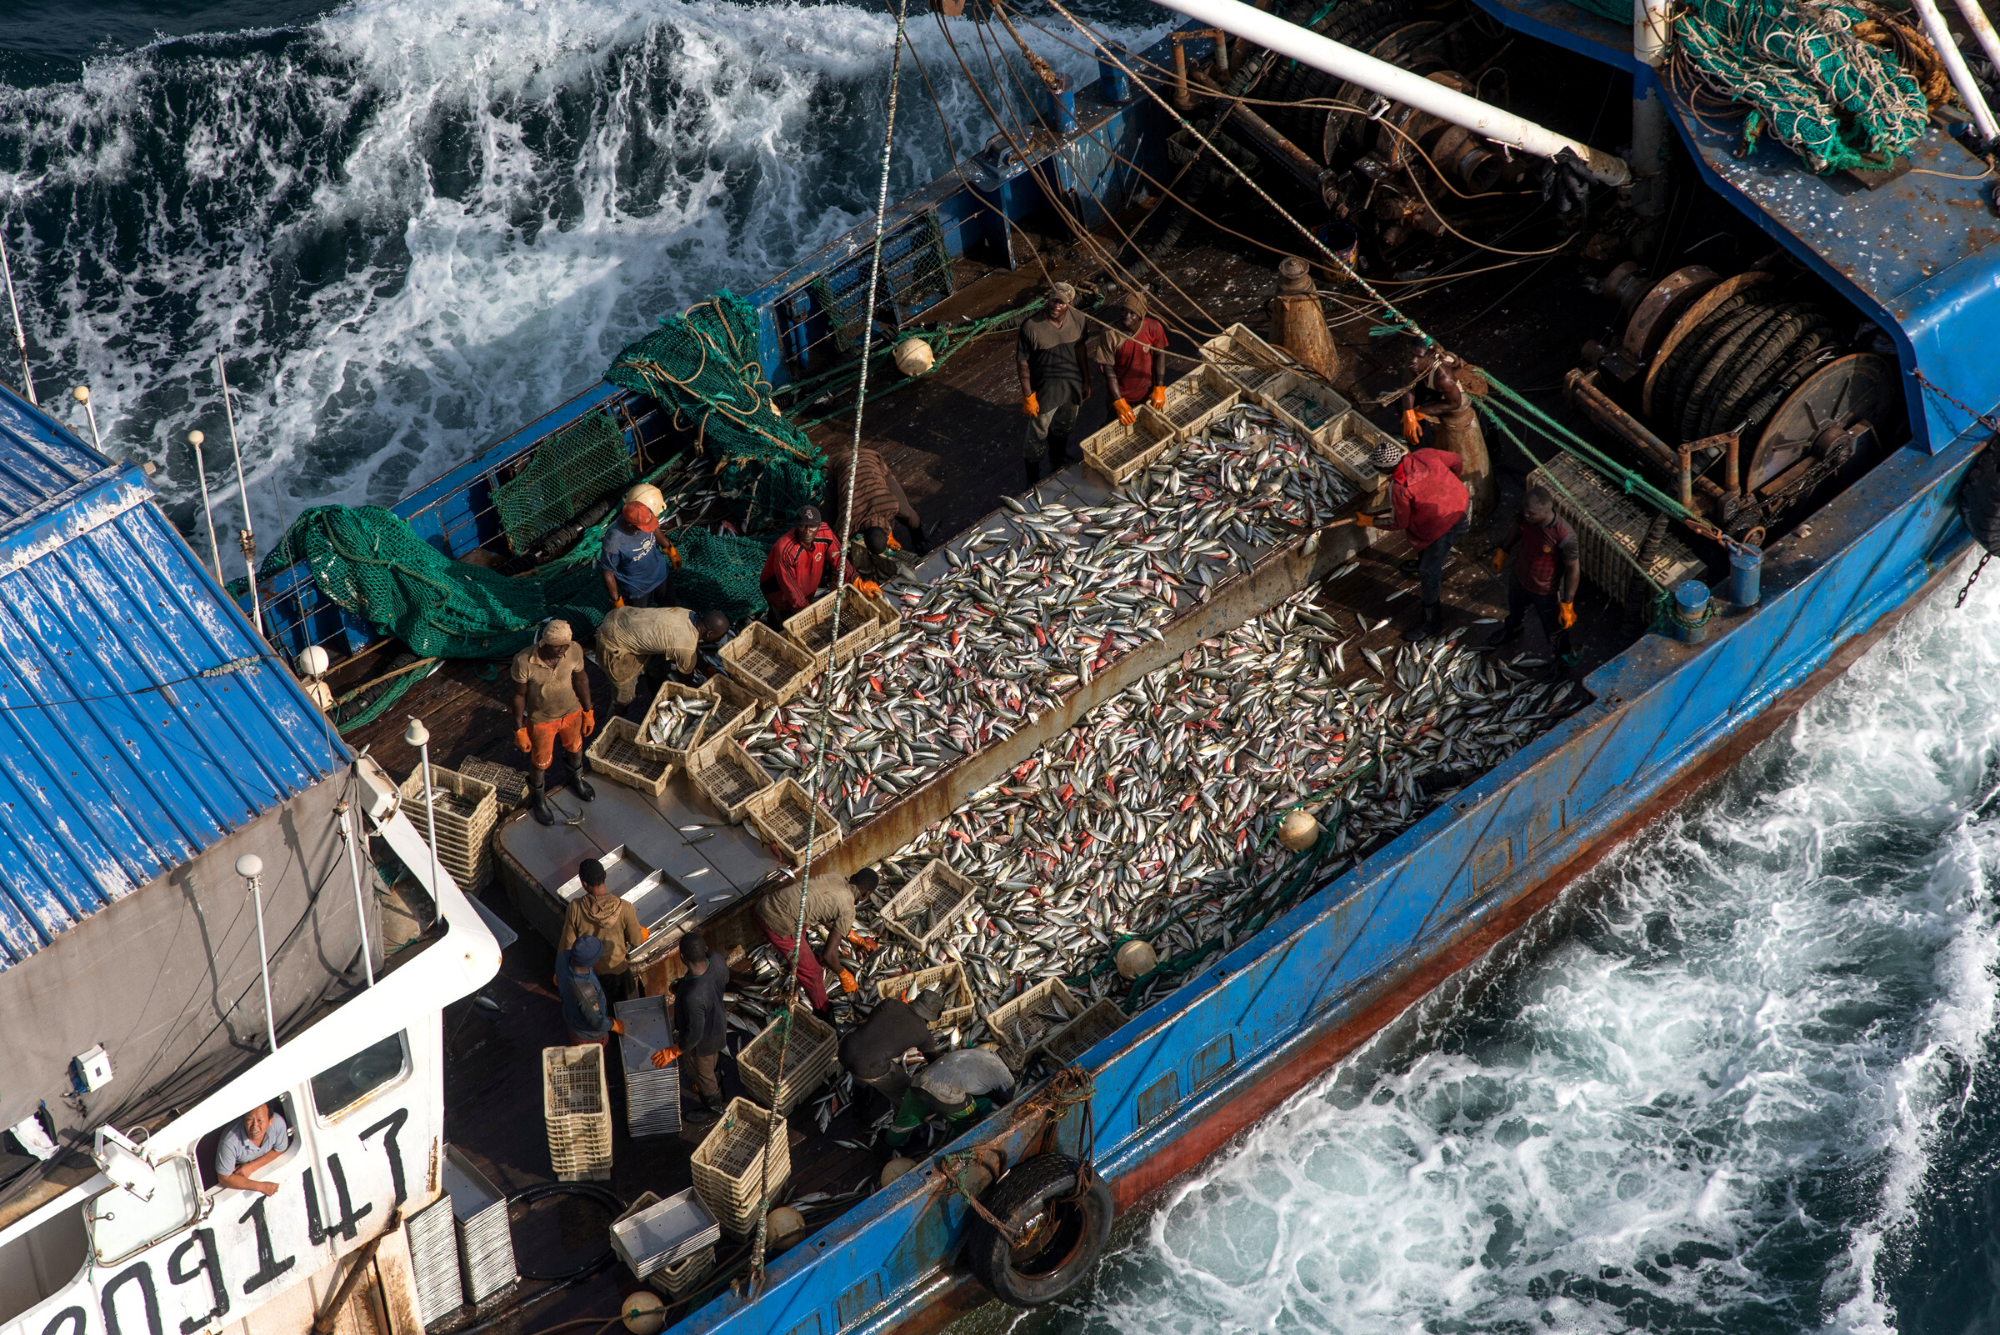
809,1058
730,1169
466,812
577,1108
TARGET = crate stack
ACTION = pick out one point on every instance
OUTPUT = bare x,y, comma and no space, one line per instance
1606,520
729,1165
485,1238
466,812
434,1261
668,1243
780,815
927,904
577,1108
652,1094
1083,1033
809,1059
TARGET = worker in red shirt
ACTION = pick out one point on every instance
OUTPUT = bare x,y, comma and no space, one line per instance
1547,571
803,558
1130,349
1427,502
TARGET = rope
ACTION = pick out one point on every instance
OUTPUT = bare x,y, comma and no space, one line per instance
819,771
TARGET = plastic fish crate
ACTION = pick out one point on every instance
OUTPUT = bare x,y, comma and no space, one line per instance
655,1233
1245,358
677,1279
1019,1027
663,699
1615,519
1118,451
888,619
1304,404
960,1005
1347,441
510,785
809,1060
577,1109
779,815
466,809
1085,1032
727,775
729,1164
1195,400
735,707
938,891
813,628
616,754
770,666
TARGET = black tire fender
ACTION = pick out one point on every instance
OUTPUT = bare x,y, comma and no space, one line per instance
1062,1232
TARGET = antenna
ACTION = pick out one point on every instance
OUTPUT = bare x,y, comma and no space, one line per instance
245,538
20,338
195,438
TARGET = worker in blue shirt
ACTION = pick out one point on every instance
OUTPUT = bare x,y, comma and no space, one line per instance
585,1010
634,561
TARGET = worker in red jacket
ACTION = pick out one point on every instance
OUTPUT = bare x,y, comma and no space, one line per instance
1427,502
803,558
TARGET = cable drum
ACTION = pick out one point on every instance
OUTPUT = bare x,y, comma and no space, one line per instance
1738,363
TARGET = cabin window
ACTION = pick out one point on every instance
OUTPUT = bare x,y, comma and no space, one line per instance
122,1225
347,1083
41,1261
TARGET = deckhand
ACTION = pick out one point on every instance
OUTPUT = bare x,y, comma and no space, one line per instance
1544,545
880,503
956,1087
613,921
1055,379
829,905
1132,356
586,1012
632,637
634,562
1428,502
700,1025
874,1054
802,561
551,703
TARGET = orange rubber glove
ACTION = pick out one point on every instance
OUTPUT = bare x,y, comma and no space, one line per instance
894,546
1498,560
645,933
665,1057
1124,411
524,741
1030,407
1413,430
847,983
868,586
1565,615
674,555
589,722
617,1026
617,603
1159,398
1362,519
865,943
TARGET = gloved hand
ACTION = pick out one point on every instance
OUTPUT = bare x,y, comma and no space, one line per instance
1498,560
665,1057
617,603
1565,615
589,722
1030,407
1159,398
894,546
1413,428
674,555
645,932
847,983
1124,411
868,586
617,1026
524,741
856,939
1362,519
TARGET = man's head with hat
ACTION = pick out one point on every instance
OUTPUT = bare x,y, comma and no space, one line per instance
638,517
1062,296
553,640
584,953
809,521
928,1004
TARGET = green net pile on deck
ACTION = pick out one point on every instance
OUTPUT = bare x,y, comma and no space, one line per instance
703,367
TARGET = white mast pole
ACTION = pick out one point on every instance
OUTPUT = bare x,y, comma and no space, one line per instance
20,336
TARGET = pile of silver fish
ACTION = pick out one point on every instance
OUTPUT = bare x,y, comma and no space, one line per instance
1027,613
676,722
1152,818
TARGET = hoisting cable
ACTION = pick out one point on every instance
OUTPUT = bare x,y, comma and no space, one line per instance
818,776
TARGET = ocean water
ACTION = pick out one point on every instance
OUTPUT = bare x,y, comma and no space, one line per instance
414,225
1745,1081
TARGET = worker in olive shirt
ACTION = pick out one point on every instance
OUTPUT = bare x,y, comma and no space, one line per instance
829,904
1055,379
1547,571
957,1087
701,1022
552,704
633,561
873,1053
613,921
630,636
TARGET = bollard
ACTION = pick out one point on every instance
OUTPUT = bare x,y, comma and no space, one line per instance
1692,610
1746,569
1112,84
1062,105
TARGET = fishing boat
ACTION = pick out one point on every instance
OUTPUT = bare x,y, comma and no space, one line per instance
1806,485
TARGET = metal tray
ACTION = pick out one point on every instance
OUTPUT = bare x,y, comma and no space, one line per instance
661,1234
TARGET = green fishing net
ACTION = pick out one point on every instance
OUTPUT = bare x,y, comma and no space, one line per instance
1832,98
703,367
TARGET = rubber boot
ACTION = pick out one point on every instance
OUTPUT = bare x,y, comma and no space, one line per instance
1431,625
538,796
1033,469
578,763
1509,631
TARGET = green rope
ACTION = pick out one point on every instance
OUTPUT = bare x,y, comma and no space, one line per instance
1632,482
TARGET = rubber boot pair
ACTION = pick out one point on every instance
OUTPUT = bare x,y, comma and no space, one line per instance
1430,626
538,786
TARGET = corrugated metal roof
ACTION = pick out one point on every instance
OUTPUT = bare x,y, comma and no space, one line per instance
141,720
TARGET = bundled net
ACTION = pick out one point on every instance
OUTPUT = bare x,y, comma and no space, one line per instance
569,472
719,573
1810,74
703,366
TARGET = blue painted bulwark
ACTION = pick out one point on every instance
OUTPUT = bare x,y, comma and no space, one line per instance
119,758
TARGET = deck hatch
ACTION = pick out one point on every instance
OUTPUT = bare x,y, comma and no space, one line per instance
1159,1098
809,1326
1492,862
858,1301
1213,1060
